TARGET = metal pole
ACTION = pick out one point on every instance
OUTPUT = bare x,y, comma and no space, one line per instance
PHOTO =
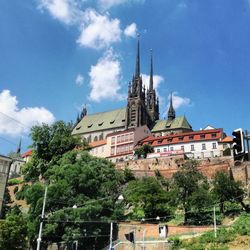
111,235
215,229
39,239
143,238
247,142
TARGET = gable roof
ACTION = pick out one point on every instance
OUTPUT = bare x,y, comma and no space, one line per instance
101,121
178,122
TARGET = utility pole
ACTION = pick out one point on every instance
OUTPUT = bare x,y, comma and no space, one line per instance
215,229
111,235
247,137
39,239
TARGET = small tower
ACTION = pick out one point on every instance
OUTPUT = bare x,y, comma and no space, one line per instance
171,111
84,112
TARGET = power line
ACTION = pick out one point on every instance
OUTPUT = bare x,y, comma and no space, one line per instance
13,119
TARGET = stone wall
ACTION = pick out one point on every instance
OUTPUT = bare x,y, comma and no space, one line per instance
169,165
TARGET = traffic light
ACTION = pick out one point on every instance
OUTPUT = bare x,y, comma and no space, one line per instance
238,145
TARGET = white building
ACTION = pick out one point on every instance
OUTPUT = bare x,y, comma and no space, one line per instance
200,144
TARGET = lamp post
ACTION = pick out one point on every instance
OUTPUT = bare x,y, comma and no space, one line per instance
39,239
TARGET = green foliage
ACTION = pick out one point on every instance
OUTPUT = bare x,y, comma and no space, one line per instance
142,151
14,182
49,144
226,189
79,179
147,198
13,232
191,189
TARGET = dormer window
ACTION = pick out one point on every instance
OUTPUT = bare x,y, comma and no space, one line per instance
90,125
100,124
112,122
77,128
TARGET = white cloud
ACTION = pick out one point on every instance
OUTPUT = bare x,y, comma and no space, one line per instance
107,4
105,77
156,78
79,80
66,11
130,30
179,101
99,31
15,121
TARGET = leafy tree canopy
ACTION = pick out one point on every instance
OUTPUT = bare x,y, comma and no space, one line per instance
142,151
147,199
191,188
49,144
77,178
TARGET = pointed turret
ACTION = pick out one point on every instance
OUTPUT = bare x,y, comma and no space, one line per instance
171,111
137,64
151,82
18,151
84,112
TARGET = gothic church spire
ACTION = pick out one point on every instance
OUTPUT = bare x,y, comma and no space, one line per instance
151,82
171,111
137,64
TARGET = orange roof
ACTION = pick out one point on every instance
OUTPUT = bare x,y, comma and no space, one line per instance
227,139
97,143
28,153
201,135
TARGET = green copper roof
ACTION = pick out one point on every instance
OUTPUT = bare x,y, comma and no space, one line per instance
178,122
101,121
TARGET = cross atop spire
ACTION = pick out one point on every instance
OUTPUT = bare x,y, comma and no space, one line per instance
151,82
137,64
171,111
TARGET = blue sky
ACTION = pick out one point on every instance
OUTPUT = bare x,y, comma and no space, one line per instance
57,55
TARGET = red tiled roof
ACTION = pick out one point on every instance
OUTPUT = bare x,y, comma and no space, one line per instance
183,137
28,153
227,139
97,143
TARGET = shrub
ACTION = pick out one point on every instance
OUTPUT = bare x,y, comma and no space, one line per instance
12,182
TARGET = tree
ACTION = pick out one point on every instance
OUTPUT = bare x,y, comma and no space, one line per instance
13,232
142,151
147,198
49,144
191,188
80,179
226,188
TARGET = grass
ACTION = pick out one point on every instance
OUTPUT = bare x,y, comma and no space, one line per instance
225,235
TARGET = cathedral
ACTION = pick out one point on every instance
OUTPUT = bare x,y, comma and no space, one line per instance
142,109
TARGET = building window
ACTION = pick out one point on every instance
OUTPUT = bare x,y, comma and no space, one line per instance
112,140
213,135
171,148
118,138
202,136
192,147
158,150
182,148
112,150
131,136
169,140
203,146
214,145
191,137
126,137
180,138
165,149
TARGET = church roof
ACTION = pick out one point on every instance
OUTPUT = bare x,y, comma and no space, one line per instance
178,122
101,121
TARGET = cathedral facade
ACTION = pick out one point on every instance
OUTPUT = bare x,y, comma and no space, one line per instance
142,109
